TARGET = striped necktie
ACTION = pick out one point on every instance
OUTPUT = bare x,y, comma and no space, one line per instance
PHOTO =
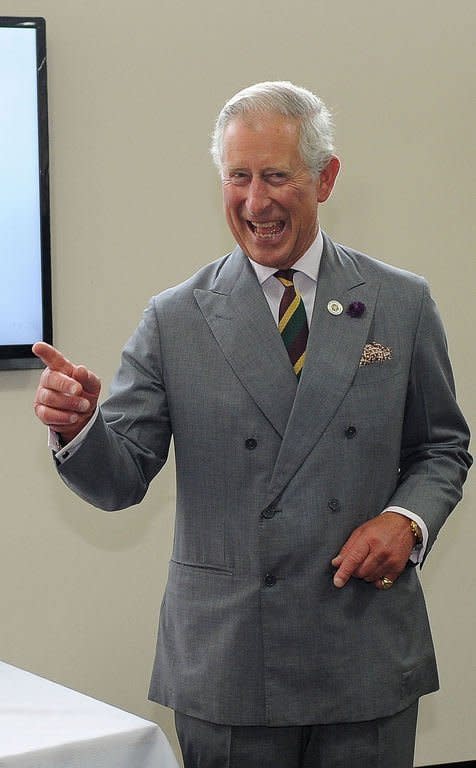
292,320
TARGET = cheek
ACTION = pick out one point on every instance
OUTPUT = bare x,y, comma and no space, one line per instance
232,205
228,197
305,211
290,201
231,216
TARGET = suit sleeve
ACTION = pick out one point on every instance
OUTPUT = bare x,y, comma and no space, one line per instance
129,442
435,437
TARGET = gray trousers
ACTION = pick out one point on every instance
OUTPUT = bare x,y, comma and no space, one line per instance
387,742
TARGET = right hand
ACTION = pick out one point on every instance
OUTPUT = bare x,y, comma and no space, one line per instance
67,394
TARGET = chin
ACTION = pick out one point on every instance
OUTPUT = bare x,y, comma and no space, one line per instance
268,255
271,260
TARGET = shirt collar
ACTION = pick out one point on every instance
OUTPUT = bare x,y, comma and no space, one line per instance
308,263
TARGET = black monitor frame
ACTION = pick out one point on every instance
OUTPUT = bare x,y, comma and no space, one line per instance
18,356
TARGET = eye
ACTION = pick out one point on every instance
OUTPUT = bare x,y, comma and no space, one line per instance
238,177
276,177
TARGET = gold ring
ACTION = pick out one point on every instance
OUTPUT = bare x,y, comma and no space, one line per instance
386,583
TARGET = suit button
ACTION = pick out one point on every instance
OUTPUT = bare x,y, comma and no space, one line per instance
269,580
350,432
268,514
251,443
334,505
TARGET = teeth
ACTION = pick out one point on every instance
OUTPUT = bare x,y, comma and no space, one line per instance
267,229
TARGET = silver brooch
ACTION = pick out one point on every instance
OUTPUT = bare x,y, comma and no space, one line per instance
335,307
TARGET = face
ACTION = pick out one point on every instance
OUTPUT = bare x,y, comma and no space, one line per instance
270,197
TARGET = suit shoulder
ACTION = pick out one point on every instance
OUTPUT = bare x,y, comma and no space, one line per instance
369,266
204,278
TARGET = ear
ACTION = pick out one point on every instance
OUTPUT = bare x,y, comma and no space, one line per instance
327,177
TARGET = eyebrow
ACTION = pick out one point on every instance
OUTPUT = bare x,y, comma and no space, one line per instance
270,169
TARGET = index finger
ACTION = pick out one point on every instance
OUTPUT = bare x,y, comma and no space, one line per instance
352,559
52,358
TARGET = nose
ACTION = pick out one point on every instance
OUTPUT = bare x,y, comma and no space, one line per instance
257,199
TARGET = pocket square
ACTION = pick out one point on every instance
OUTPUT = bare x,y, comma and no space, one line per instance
375,353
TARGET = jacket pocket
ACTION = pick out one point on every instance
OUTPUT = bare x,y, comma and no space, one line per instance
202,567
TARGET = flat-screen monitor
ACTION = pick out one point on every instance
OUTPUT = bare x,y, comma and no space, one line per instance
25,267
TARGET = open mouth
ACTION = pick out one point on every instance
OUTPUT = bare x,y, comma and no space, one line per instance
267,230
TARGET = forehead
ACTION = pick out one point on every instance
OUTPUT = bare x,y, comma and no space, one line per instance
267,140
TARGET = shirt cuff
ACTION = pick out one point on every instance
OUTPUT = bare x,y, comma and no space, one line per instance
417,555
64,452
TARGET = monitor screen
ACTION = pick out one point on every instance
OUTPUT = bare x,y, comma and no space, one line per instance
25,269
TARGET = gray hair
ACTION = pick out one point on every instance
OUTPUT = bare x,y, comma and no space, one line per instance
281,97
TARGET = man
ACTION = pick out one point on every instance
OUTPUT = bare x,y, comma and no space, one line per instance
311,475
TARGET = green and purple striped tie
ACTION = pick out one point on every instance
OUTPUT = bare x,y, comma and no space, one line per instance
292,320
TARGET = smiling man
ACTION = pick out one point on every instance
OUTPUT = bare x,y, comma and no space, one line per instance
319,450
270,195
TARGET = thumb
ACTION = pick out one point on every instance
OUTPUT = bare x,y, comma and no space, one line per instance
90,383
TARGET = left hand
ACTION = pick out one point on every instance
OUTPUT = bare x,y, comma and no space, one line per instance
380,547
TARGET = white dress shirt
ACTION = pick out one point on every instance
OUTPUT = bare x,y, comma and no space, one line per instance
305,279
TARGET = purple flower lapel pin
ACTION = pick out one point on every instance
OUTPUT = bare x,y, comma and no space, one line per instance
356,309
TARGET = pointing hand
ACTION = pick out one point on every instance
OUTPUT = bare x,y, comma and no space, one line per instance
67,394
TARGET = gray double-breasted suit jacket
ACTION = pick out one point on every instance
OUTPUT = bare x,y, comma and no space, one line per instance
272,477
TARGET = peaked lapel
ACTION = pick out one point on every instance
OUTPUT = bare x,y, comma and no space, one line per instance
334,348
240,319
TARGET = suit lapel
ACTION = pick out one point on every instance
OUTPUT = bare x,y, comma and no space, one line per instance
334,348
239,318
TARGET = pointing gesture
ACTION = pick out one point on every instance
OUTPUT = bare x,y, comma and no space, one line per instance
67,394
376,549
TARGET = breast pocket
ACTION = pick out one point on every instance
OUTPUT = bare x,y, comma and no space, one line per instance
378,362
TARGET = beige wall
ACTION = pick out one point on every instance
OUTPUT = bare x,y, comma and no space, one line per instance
133,92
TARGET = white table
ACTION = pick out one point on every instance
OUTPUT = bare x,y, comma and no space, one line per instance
44,725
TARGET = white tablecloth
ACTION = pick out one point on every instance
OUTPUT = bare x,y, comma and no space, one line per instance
44,725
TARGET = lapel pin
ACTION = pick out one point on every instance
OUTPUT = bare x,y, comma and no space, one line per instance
356,309
335,307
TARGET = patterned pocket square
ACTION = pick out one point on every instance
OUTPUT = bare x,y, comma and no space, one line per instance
375,353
